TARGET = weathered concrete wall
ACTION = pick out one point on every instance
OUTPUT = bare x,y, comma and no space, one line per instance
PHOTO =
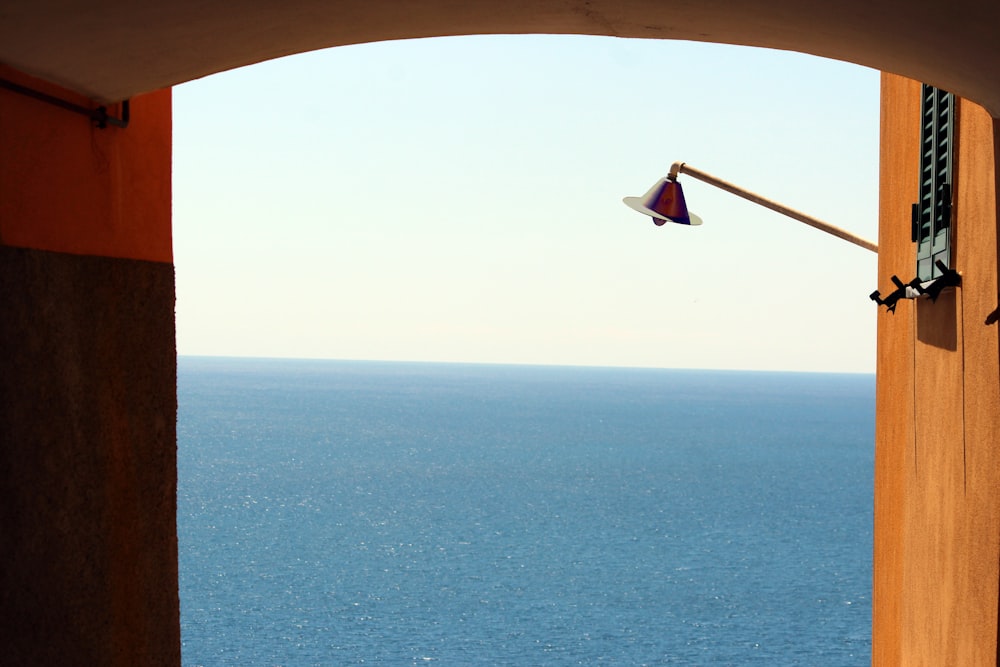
937,467
88,552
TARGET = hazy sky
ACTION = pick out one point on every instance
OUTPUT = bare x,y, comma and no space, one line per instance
459,199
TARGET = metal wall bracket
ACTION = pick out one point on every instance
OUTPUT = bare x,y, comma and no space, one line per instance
99,116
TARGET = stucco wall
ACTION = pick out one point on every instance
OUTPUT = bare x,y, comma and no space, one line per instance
937,467
88,552
67,186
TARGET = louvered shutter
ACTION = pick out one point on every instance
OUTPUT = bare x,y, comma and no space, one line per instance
932,214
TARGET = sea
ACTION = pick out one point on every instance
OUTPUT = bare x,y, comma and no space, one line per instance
384,513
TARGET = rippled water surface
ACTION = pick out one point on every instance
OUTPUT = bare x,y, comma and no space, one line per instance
347,513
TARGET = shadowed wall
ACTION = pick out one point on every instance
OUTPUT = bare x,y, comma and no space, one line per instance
87,387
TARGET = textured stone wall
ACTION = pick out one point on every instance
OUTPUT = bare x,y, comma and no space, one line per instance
88,463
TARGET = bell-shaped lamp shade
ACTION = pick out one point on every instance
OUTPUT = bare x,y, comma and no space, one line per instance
664,201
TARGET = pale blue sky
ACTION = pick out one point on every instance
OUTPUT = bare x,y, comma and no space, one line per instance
459,199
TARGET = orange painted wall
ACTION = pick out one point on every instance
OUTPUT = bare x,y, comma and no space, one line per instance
937,463
67,186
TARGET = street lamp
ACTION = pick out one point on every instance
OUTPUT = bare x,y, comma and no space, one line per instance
665,201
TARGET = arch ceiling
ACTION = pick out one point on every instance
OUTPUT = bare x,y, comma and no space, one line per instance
114,49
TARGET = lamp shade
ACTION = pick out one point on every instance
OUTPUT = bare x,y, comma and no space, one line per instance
664,201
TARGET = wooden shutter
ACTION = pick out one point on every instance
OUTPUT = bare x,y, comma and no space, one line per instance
931,222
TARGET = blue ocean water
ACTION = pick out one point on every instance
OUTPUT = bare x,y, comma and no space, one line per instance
348,513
